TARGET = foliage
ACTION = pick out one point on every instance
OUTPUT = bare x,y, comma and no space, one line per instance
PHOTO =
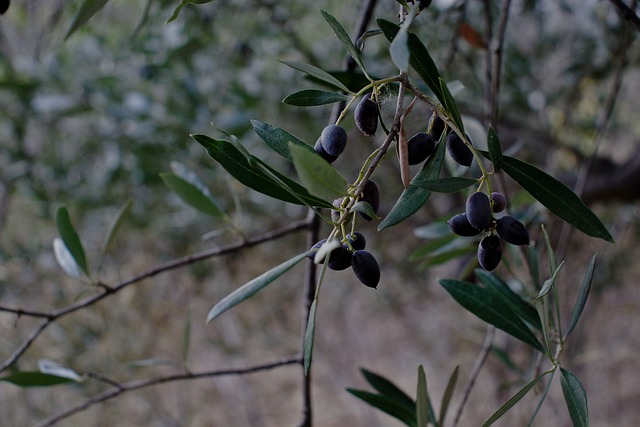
534,315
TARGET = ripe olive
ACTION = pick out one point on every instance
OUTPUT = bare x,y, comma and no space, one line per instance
366,115
460,225
458,150
499,202
512,230
420,146
490,252
366,268
320,150
478,210
333,140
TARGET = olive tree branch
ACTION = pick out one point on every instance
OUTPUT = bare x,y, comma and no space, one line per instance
627,12
121,388
482,357
168,266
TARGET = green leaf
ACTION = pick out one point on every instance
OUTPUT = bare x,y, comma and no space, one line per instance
142,21
192,195
309,336
422,400
556,196
391,407
70,238
65,259
313,97
344,38
548,284
495,150
515,399
388,389
252,287
50,367
278,139
582,296
255,174
413,197
318,74
450,105
576,398
398,49
543,396
448,394
182,4
365,208
115,226
317,175
419,57
35,379
523,309
489,307
86,12
446,185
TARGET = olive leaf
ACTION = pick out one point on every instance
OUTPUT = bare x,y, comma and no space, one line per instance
313,97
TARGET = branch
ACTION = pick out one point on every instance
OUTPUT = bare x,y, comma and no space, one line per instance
482,356
628,13
119,389
168,266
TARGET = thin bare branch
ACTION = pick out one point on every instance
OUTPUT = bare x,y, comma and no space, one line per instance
627,12
122,388
482,357
168,266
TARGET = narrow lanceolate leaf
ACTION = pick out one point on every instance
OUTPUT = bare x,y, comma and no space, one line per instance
35,379
318,74
115,226
309,335
70,238
278,139
422,400
192,195
582,296
317,175
388,389
523,309
344,38
53,368
576,398
86,12
252,287
451,106
415,196
448,394
515,399
548,284
446,185
255,174
65,259
556,196
419,57
365,208
495,150
313,97
385,404
489,307
398,49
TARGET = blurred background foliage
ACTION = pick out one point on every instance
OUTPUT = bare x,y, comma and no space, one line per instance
92,121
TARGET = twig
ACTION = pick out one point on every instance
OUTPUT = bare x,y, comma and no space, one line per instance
366,13
135,385
168,266
627,12
482,356
496,76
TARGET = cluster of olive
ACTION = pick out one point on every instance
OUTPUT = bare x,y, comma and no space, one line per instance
331,143
478,217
